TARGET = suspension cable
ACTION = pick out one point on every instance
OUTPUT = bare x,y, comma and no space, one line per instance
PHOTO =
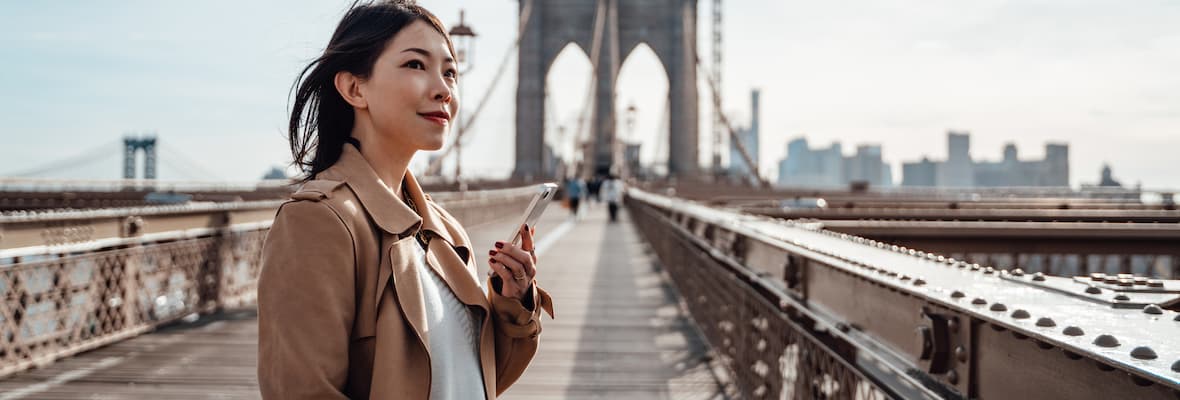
733,137
436,164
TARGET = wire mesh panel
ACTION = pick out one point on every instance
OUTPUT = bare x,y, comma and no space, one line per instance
56,305
770,355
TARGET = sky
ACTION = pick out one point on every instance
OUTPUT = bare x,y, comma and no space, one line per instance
211,80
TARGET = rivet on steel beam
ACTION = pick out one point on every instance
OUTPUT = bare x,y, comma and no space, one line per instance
1125,276
941,259
1038,277
1097,276
951,261
1021,314
1111,279
1144,353
894,247
978,301
1155,283
1017,272
1046,322
932,256
1093,290
1073,331
1122,297
952,377
919,282
1177,318
975,267
1140,280
998,307
961,353
989,270
1153,309
1106,341
957,294
1176,366
905,277
1126,282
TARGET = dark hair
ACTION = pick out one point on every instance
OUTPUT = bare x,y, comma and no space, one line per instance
321,121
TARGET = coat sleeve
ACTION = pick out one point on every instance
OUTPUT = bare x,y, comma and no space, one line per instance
517,330
305,304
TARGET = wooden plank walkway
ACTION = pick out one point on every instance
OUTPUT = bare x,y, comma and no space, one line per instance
619,334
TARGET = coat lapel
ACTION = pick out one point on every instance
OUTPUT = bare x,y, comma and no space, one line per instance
400,223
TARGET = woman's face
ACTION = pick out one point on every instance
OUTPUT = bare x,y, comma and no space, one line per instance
411,92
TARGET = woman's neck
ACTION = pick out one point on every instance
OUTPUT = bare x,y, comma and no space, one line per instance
388,159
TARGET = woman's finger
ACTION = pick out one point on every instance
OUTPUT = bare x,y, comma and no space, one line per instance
525,259
504,274
526,238
513,265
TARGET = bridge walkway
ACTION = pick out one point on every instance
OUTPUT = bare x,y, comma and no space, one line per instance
619,334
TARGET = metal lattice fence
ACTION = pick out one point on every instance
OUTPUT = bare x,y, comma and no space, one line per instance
769,355
56,305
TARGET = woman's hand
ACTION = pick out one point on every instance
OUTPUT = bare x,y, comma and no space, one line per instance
516,265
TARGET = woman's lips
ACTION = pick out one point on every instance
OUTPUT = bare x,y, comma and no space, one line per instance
435,119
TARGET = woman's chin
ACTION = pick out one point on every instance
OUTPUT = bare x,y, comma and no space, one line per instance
434,145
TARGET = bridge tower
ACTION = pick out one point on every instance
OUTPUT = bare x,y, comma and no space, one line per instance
667,26
131,148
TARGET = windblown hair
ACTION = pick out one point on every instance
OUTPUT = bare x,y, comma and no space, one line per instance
321,121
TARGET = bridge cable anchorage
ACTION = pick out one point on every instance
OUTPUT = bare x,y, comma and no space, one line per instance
435,166
733,136
97,153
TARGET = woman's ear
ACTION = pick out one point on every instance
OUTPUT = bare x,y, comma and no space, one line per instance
349,87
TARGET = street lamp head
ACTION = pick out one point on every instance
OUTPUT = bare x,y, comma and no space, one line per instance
463,36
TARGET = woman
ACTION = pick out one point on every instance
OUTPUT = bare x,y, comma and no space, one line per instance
368,289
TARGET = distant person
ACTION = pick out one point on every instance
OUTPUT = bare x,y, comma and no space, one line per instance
347,305
594,187
612,192
575,189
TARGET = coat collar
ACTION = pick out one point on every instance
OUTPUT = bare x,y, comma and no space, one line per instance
382,204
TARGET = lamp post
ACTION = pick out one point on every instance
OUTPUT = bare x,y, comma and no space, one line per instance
464,39
625,171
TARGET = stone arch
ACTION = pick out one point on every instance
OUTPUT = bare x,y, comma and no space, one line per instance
667,26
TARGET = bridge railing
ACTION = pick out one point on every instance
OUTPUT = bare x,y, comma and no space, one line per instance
795,311
75,280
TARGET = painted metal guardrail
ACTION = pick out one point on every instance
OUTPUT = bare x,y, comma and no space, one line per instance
796,311
71,281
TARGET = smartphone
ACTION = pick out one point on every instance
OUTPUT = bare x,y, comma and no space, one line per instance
541,199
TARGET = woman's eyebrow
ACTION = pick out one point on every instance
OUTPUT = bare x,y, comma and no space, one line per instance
425,53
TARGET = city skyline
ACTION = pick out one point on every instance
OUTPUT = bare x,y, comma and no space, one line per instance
898,74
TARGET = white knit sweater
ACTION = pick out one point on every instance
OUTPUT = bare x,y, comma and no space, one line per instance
452,331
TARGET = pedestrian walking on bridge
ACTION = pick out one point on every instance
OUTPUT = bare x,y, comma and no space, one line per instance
369,288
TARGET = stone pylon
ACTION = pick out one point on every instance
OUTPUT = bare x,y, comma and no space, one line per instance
667,26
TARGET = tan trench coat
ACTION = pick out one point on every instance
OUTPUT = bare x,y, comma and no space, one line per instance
340,307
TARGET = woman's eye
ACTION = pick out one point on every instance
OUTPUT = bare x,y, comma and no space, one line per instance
451,74
415,64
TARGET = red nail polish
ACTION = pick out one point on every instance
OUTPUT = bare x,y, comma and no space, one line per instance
492,260
491,252
526,227
499,245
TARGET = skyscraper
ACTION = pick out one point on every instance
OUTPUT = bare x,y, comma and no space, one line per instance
749,138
